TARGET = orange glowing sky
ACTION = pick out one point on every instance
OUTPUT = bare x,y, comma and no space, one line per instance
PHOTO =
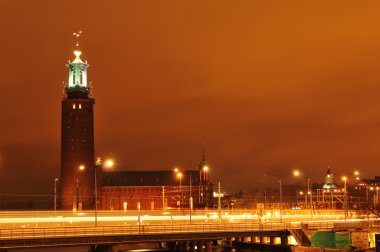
268,86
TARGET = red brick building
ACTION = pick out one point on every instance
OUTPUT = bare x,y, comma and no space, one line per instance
155,190
115,190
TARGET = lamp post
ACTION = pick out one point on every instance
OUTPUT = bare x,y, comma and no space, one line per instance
99,164
302,193
280,176
309,192
205,180
344,178
190,200
179,175
55,193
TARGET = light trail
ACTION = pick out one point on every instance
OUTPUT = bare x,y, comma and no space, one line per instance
107,218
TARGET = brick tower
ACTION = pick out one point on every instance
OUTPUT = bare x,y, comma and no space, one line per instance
77,139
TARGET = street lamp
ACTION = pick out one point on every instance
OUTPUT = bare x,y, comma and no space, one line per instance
301,193
179,175
344,178
55,193
280,176
99,163
205,170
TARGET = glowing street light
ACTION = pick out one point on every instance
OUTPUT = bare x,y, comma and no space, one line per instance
205,168
82,167
295,173
99,163
344,178
108,163
179,175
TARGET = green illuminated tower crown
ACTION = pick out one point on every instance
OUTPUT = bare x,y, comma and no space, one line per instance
77,86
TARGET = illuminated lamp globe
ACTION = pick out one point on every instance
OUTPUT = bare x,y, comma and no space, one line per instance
109,163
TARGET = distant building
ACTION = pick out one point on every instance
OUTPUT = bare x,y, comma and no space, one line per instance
150,190
329,181
144,190
372,182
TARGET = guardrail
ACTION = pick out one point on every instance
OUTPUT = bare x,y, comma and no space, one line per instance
38,233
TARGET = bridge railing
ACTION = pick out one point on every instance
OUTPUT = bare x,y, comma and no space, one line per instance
36,233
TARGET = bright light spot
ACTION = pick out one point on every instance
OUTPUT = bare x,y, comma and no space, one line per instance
77,53
344,178
296,173
179,175
175,169
356,173
109,163
82,167
205,168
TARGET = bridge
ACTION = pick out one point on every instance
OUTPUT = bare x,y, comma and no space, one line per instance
28,229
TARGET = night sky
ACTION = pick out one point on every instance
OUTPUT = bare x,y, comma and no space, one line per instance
268,86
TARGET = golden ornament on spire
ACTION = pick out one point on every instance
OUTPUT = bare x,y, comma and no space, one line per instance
77,52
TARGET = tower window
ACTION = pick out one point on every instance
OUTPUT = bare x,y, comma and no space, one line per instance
74,106
80,106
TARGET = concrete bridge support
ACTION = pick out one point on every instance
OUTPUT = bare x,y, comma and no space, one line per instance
284,240
192,246
103,248
263,240
243,239
178,246
229,241
185,245
253,239
208,246
272,240
199,246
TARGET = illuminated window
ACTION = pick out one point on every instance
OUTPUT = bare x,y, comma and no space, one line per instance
80,106
74,107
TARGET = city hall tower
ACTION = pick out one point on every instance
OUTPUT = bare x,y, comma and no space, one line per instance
77,138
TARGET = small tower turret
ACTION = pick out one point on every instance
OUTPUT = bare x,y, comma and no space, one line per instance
329,180
203,168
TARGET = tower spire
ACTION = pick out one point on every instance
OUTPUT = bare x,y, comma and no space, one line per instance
203,160
77,84
77,35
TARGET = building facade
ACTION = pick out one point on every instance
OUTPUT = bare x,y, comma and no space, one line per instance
150,190
115,190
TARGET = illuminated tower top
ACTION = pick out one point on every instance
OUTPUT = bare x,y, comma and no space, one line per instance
329,180
77,86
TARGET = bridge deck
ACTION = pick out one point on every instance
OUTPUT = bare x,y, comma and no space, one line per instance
70,236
